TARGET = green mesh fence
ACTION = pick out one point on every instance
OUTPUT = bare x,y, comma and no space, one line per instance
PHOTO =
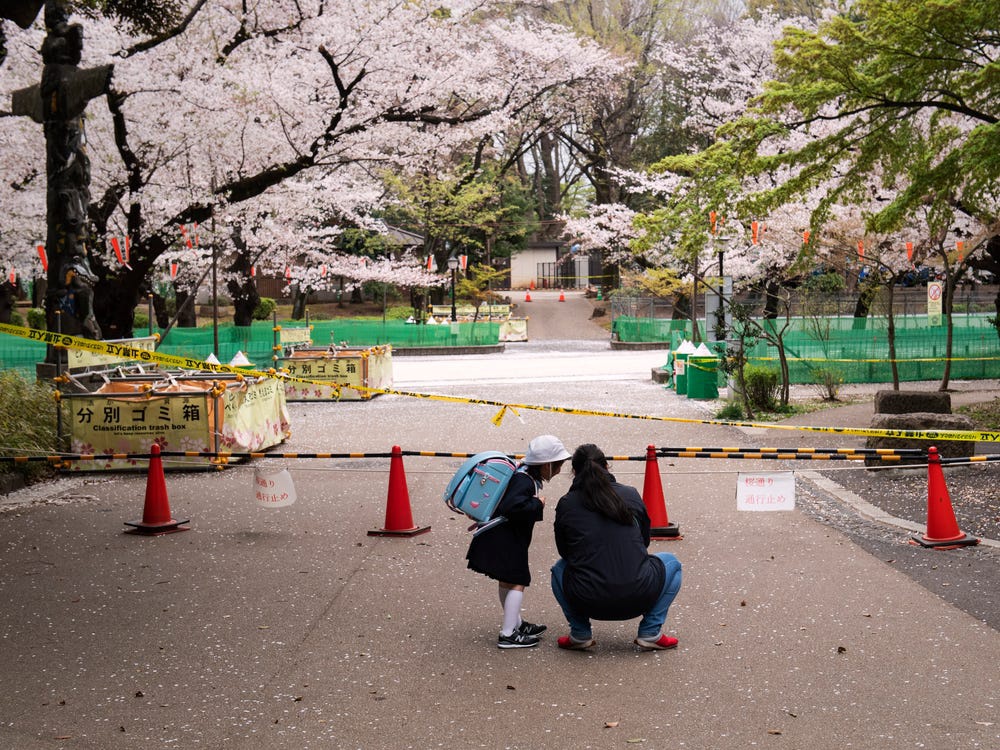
257,341
858,349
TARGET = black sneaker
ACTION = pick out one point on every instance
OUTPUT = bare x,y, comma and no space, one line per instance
517,640
529,628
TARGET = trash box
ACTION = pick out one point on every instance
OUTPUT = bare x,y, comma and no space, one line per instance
685,350
702,377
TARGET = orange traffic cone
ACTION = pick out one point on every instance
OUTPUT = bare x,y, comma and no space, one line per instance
527,296
562,296
652,498
398,517
942,528
531,284
156,518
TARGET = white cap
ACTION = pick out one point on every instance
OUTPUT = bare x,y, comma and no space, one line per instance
545,449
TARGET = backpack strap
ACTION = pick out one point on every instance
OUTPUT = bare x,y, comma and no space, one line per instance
479,528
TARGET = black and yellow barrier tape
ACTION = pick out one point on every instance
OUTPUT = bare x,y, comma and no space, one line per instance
225,456
188,363
870,452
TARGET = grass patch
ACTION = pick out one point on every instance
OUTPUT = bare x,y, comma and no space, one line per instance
986,415
28,425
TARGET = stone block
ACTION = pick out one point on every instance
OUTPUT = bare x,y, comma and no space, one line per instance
909,402
923,422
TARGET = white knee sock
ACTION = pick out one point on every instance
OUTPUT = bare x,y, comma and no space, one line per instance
511,611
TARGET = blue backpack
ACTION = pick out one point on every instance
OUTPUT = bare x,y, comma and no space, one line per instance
479,484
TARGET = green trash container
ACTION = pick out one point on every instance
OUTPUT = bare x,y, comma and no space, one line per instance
702,377
685,350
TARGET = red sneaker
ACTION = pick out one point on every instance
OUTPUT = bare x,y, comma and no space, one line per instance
569,642
656,644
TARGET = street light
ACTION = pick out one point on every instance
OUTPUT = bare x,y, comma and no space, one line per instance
453,266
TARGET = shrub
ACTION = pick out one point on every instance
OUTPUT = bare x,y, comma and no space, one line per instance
827,383
36,318
140,322
265,309
733,410
16,319
28,423
762,387
398,312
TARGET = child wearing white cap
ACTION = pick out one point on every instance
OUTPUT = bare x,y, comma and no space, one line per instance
501,552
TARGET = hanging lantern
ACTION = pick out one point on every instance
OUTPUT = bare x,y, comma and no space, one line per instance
463,261
861,249
754,232
184,234
288,272
960,246
805,237
13,277
323,271
43,257
173,271
712,222
909,251
253,271
118,250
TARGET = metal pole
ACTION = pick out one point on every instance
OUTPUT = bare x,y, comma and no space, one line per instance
454,317
59,424
215,295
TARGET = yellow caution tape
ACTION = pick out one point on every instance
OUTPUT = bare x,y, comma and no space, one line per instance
188,363
870,361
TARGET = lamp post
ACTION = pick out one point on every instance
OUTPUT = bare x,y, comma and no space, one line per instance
453,266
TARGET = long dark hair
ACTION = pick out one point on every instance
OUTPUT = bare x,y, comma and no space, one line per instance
590,467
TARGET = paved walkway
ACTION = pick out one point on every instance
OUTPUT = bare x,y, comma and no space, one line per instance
292,628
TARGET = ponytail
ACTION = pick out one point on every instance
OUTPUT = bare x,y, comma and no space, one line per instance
590,468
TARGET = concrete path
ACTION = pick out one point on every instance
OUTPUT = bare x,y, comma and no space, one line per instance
292,628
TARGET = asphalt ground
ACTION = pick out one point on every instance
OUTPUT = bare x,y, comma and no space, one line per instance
293,628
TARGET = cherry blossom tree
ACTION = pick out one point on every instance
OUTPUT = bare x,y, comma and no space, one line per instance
278,116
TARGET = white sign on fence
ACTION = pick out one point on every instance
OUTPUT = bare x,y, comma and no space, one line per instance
773,490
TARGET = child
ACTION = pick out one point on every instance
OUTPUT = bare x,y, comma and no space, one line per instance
501,552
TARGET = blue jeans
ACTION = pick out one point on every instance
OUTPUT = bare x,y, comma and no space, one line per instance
652,621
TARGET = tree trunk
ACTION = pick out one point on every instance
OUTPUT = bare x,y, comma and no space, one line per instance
862,309
8,295
299,297
891,337
160,311
241,285
187,315
115,299
771,300
949,297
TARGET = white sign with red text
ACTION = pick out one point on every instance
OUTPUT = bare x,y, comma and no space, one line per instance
774,490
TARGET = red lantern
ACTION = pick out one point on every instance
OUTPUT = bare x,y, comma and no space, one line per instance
118,250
